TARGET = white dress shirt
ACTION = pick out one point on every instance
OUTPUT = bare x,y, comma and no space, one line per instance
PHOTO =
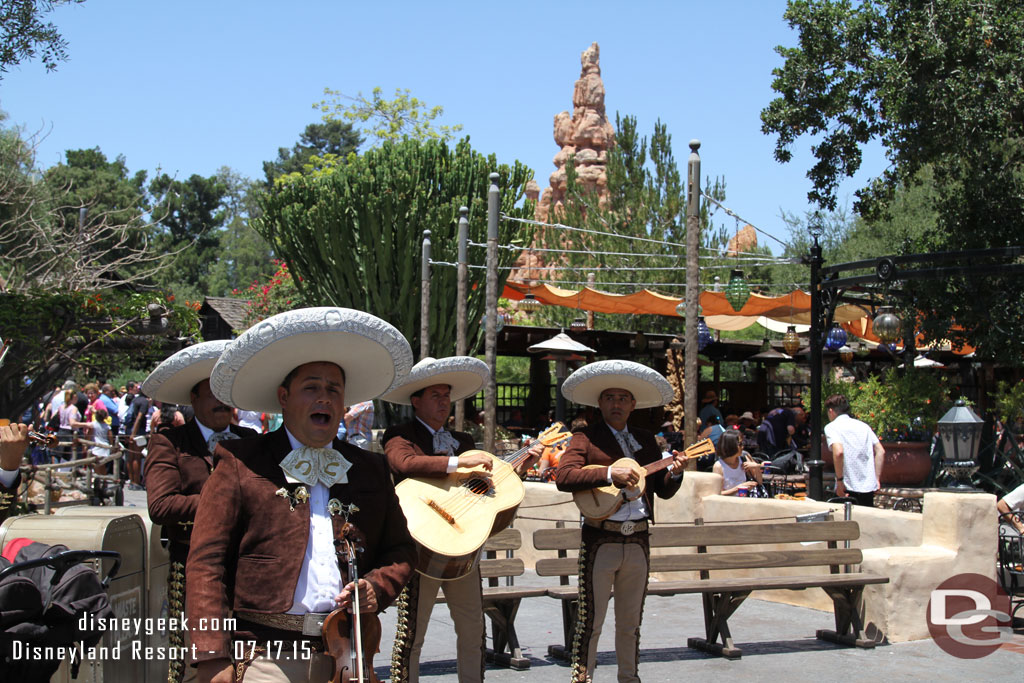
319,577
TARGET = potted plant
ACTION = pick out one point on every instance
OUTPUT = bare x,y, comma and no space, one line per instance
902,407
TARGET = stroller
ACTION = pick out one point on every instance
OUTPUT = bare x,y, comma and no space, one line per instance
46,596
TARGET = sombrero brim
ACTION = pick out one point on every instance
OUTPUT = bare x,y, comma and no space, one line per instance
464,374
173,379
371,352
649,388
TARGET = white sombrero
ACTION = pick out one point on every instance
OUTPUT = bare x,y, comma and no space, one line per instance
464,374
371,352
173,379
649,388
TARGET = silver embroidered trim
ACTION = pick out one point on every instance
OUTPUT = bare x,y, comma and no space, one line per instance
372,352
648,387
173,379
466,376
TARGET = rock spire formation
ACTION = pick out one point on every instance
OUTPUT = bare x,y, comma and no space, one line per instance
587,134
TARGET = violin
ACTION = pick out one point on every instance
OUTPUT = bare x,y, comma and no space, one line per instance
351,639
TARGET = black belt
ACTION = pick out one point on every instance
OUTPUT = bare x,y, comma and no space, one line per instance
626,528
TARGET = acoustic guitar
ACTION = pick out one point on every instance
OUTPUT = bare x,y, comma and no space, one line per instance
451,518
604,501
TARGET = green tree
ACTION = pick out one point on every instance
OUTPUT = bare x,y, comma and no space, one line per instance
243,256
353,235
191,213
24,33
383,119
941,86
321,144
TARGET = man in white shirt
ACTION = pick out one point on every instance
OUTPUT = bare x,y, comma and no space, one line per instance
1013,502
856,452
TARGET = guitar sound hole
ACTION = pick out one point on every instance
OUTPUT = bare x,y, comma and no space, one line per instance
478,486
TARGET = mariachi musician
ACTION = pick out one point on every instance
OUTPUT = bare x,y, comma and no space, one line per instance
615,552
280,508
424,447
180,460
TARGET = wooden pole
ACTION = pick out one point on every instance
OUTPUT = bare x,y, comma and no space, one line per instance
691,368
425,298
460,304
491,332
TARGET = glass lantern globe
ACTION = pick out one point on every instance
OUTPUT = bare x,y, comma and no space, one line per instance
836,338
886,325
737,291
681,309
703,334
529,304
791,341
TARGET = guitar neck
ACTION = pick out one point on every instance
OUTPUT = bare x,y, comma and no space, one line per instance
695,451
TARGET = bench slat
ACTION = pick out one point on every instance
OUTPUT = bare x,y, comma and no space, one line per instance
506,539
716,534
741,584
753,534
754,559
501,567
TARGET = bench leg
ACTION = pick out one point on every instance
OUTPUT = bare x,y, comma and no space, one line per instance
564,651
847,603
718,607
503,625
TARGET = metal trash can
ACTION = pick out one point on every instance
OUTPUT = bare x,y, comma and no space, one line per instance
126,660
158,562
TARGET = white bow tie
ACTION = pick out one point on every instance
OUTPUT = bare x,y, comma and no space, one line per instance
310,465
444,442
217,437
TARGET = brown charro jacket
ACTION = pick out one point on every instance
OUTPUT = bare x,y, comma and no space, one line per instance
248,545
410,450
596,445
178,463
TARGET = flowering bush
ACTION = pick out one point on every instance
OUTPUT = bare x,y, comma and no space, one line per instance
279,293
899,405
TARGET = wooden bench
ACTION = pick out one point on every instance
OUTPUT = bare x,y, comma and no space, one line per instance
501,598
723,595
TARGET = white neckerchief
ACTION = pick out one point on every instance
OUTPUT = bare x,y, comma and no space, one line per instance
443,441
627,442
212,438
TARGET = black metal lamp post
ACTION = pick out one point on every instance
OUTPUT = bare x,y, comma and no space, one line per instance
960,430
815,465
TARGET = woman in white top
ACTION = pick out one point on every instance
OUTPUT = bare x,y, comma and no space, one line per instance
738,469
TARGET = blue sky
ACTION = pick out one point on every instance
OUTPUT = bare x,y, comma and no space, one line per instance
189,87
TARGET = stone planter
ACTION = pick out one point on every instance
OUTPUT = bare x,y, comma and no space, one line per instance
907,463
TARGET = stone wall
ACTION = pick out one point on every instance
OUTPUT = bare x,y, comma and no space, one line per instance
955,534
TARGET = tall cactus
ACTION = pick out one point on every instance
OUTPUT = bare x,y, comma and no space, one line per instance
353,235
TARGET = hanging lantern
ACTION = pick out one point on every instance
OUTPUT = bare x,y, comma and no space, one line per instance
790,341
737,292
886,325
836,338
578,325
529,304
703,334
845,353
681,309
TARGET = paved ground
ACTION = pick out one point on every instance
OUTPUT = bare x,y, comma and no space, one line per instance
777,641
